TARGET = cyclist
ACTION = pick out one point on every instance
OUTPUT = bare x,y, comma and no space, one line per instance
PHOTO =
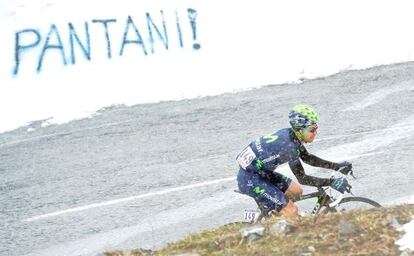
273,191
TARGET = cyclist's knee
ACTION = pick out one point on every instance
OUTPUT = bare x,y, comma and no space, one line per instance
294,191
290,210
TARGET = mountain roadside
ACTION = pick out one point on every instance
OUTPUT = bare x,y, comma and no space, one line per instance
353,232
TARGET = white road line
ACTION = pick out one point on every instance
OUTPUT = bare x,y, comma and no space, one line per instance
371,132
358,156
166,191
9,143
126,199
380,95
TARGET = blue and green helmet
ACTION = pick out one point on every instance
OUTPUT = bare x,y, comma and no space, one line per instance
302,116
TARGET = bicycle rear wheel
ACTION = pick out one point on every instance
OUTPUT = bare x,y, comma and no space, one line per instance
356,202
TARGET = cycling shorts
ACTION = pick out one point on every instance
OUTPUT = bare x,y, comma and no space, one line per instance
268,192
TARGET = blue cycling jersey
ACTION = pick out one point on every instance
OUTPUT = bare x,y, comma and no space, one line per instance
270,151
266,153
261,157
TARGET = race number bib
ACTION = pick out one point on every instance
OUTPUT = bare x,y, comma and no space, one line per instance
246,157
251,215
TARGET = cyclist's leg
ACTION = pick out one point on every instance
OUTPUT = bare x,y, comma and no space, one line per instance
290,210
264,192
292,189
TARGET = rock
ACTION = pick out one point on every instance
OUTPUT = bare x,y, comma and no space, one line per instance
347,228
281,228
391,221
252,233
113,253
395,224
311,249
143,252
406,252
213,245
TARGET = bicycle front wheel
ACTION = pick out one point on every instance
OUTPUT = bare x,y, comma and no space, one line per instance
356,202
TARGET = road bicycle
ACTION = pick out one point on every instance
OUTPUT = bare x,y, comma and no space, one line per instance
326,202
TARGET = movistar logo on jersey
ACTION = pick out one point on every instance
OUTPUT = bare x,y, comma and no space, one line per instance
258,190
259,164
270,138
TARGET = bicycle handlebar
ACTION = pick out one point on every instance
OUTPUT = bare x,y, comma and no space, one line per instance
341,196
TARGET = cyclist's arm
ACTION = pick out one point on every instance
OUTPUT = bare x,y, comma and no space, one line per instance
304,179
315,161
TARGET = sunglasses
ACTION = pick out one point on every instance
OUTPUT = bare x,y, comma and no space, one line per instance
312,129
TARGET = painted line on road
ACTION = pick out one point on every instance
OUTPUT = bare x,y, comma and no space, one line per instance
370,132
166,191
126,199
379,95
10,143
358,156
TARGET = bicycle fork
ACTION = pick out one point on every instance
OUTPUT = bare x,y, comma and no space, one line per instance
322,201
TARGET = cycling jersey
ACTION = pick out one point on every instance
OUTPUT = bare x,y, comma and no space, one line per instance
258,161
265,154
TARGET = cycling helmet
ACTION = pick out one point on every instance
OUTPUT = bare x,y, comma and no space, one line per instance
302,116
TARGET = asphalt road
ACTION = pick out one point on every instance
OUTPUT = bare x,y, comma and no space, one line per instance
144,175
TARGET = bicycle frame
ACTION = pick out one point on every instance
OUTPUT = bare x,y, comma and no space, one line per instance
323,199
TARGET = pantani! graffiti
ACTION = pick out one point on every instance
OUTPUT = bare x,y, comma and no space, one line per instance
156,32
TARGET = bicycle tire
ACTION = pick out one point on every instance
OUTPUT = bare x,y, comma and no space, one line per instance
354,202
360,199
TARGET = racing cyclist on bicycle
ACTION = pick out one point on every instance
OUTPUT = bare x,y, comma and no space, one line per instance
273,191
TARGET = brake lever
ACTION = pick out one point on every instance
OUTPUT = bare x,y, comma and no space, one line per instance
352,174
348,189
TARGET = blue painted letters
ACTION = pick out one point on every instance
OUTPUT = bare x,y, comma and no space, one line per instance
108,40
19,48
138,39
151,26
64,42
85,49
47,46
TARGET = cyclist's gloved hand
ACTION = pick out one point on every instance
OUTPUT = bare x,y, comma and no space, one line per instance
343,167
340,184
